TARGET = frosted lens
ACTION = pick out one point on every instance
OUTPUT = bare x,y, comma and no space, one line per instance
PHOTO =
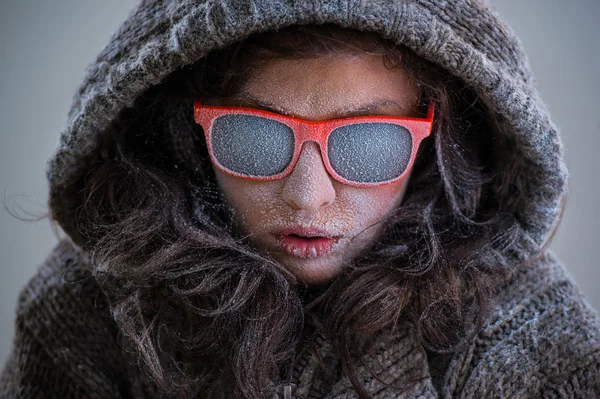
252,145
370,152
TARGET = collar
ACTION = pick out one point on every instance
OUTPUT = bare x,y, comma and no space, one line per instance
396,366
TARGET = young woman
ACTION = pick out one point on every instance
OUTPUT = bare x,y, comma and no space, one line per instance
306,200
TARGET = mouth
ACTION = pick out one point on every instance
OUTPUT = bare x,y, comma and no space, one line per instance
306,243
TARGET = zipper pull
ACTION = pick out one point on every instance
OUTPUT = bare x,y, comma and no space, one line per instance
287,391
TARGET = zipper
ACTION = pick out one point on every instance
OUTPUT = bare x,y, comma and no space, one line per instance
287,391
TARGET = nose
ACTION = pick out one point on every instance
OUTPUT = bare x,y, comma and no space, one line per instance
309,187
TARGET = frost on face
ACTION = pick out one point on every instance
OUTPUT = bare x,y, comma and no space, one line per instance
252,145
321,89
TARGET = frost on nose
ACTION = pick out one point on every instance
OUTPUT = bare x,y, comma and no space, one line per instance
309,186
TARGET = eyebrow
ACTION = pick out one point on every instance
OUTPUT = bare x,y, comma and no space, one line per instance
341,113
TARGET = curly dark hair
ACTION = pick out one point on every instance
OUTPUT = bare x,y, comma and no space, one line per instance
206,311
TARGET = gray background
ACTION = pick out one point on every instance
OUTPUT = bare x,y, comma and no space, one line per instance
46,45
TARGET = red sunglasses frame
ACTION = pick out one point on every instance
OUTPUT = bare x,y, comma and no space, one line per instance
317,131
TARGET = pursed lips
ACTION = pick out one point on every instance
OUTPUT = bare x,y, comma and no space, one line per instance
306,242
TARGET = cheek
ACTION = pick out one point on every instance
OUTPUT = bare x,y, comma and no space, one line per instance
371,205
253,201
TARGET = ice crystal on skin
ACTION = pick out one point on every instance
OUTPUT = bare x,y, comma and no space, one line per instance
317,89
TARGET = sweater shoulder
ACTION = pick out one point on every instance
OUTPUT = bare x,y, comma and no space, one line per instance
65,313
542,301
63,273
63,298
543,335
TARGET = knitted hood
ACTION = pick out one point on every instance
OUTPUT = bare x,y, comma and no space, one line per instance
465,37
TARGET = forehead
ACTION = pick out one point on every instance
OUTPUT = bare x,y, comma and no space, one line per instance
327,87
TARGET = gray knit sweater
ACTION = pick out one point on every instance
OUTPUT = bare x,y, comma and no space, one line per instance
542,339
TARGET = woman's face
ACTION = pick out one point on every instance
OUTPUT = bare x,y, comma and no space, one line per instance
309,222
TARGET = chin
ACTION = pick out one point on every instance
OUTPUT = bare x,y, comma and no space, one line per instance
313,272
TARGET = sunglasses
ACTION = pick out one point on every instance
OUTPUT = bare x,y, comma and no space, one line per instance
359,151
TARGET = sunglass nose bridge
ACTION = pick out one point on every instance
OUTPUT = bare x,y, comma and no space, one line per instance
312,131
304,131
308,132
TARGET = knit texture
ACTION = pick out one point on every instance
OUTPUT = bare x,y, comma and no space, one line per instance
543,341
543,338
464,36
